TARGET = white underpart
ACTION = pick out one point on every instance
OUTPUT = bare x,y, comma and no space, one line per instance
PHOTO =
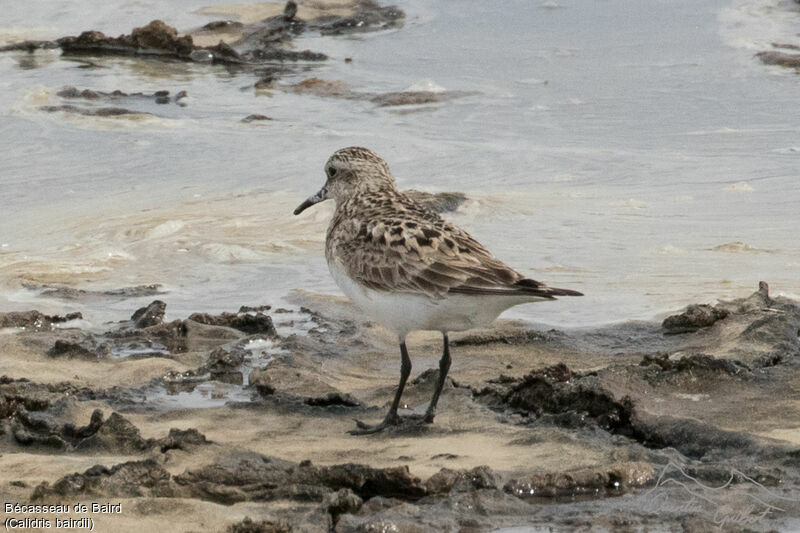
404,312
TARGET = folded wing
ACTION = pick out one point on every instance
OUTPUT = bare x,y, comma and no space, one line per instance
425,254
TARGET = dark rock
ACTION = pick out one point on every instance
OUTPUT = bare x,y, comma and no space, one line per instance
290,10
323,88
248,525
175,381
343,501
446,480
92,112
75,434
443,202
28,438
29,46
408,517
72,92
240,468
260,380
138,290
557,390
179,439
224,359
255,117
37,428
222,52
223,25
788,46
250,324
370,15
779,58
39,421
516,336
160,36
696,439
408,98
260,43
695,362
367,481
333,398
241,476
70,350
254,309
159,97
115,435
21,393
613,477
417,97
151,315
134,479
163,338
339,89
695,317
157,38
65,293
279,54
34,320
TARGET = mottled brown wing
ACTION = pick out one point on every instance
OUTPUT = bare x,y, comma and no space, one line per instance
425,254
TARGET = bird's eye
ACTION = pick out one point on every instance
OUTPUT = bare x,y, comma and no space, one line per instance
331,172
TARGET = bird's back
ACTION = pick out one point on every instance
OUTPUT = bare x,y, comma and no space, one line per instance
386,241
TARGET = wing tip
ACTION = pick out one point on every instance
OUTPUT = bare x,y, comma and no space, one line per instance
537,286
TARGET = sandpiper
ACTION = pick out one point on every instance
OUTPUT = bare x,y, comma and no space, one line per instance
409,269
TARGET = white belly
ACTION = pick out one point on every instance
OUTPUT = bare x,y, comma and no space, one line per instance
403,312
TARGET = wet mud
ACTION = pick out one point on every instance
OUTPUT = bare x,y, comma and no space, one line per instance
241,419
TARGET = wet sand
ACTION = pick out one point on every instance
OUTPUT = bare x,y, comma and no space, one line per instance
626,427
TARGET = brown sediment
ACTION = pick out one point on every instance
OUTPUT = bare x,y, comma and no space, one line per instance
526,420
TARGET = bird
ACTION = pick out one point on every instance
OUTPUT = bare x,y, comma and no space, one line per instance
409,269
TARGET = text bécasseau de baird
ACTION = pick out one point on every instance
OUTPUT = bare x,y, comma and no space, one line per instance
94,508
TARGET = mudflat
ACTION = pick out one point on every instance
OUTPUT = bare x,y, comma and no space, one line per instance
239,422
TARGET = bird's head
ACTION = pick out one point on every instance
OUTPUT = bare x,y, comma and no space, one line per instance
351,171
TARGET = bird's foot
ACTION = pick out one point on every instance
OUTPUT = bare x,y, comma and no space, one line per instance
390,420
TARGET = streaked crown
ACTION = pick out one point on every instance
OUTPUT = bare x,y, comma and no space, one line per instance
356,169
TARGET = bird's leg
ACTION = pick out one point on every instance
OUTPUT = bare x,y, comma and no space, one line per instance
444,366
392,418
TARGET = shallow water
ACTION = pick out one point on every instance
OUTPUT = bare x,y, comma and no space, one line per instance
638,153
